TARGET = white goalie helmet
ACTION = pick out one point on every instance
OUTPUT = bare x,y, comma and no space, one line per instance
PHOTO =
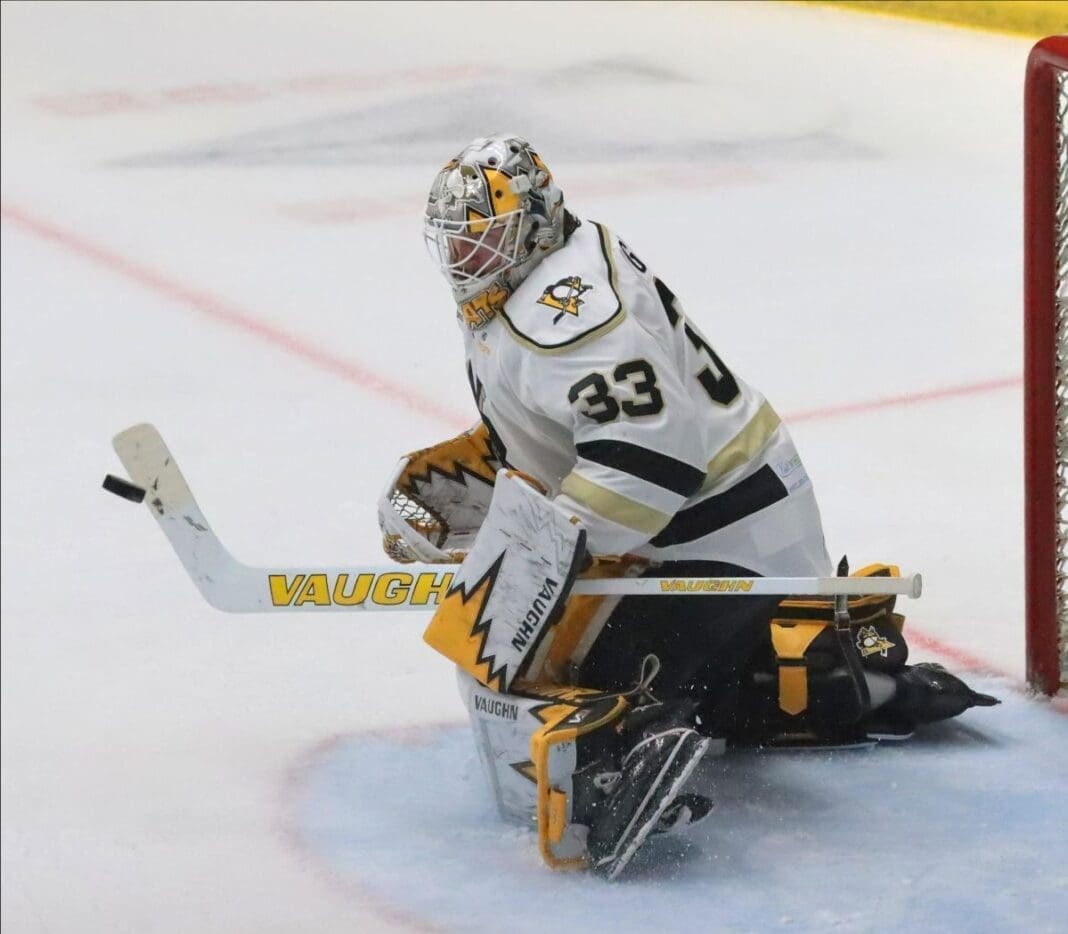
493,213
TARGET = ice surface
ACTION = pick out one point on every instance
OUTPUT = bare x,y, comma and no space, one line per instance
211,221
914,837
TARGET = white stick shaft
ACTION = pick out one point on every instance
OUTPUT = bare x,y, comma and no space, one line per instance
229,585
909,586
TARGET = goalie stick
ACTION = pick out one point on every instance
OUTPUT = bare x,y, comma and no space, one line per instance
229,585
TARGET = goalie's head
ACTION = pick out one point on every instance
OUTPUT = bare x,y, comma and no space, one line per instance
493,212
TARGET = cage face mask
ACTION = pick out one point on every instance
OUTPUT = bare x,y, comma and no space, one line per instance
492,214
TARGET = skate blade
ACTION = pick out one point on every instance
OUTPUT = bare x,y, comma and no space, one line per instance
619,863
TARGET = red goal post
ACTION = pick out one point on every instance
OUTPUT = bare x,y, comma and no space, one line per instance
1046,363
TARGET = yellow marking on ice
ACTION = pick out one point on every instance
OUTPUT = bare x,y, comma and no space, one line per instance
1016,17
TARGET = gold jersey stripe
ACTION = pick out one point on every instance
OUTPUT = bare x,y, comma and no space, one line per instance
743,447
614,506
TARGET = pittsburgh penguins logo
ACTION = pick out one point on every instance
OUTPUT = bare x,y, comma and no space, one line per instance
869,642
565,296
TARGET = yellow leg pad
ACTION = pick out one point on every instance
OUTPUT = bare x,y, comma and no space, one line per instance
563,725
553,804
790,641
863,611
557,809
799,621
793,689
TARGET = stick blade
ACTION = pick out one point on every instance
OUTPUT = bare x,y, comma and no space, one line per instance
151,466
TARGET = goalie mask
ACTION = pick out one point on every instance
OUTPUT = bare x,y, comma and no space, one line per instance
493,212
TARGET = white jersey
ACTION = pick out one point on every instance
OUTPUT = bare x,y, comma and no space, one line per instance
591,380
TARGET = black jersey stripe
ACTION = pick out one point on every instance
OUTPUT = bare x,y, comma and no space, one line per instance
750,495
667,301
661,469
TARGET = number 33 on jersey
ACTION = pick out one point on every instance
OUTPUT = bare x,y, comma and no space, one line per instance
591,379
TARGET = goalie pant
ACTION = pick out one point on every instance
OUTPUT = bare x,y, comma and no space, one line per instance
552,753
503,622
520,643
593,804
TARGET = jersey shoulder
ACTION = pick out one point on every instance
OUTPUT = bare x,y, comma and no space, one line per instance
571,297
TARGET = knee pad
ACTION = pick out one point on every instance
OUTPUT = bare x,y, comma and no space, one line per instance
807,662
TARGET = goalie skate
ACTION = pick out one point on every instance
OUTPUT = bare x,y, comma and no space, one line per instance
647,797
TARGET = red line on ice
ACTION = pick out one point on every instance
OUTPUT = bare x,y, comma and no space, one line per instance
964,660
108,102
228,313
225,312
348,884
909,398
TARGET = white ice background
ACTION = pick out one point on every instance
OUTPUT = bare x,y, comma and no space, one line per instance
211,221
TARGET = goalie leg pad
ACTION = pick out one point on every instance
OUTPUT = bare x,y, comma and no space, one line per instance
796,699
807,656
547,753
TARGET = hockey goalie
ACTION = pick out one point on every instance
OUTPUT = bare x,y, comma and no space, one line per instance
614,441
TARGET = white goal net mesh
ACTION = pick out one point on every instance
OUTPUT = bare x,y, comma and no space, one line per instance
1062,368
